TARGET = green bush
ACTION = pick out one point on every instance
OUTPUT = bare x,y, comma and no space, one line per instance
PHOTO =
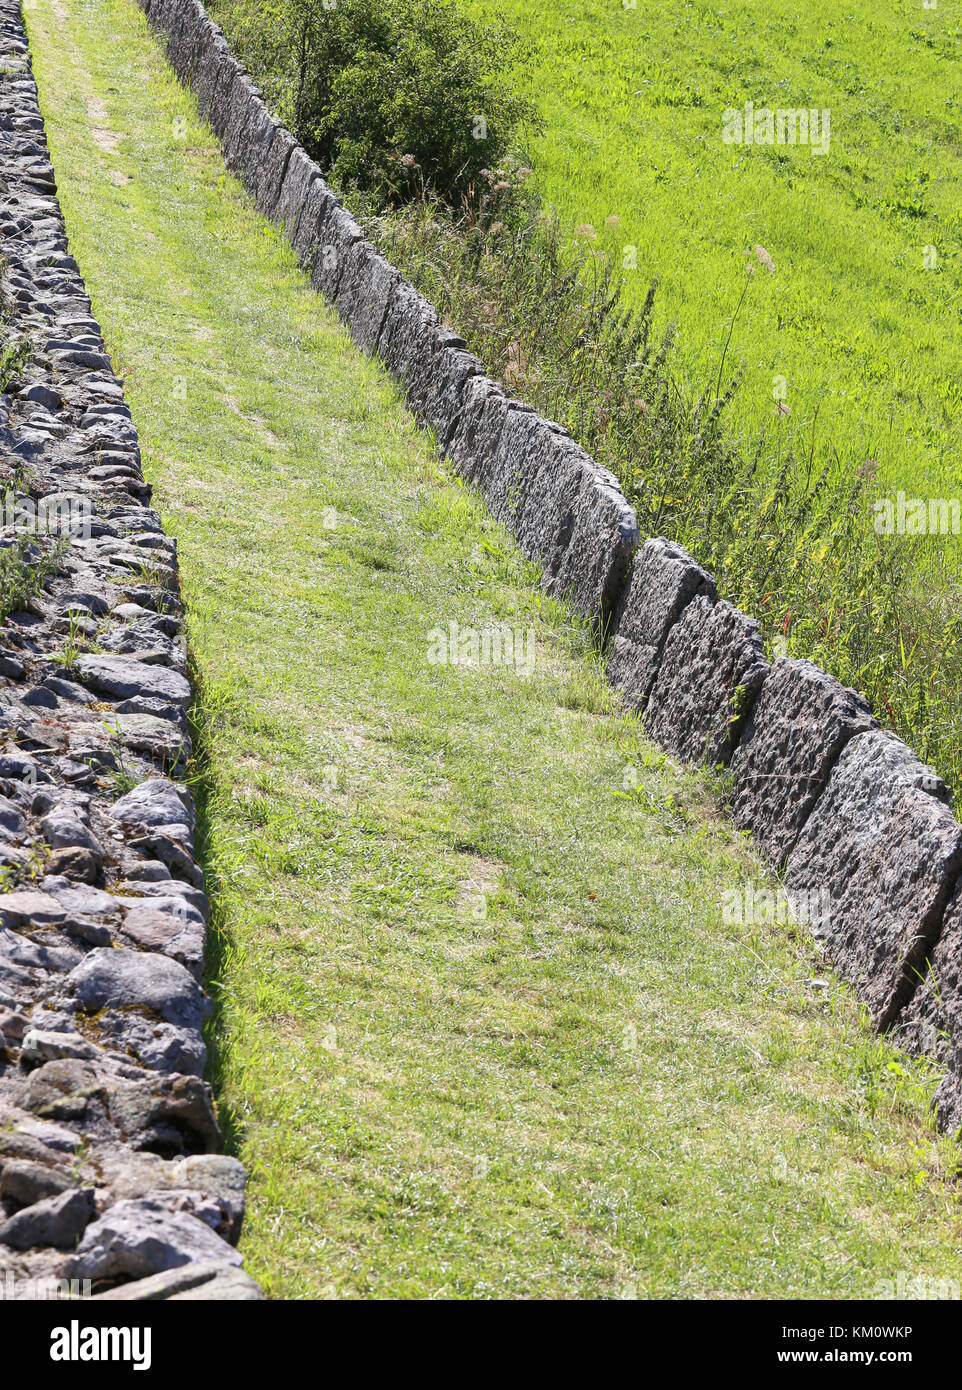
387,95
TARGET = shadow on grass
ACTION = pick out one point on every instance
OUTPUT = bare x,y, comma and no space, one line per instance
202,718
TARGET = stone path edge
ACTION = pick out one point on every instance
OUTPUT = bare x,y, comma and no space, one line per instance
112,1180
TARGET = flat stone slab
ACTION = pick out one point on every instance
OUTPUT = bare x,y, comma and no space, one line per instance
801,722
663,581
712,669
885,851
122,679
201,1280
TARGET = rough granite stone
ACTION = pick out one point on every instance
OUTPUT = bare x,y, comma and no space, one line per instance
55,1221
300,173
794,735
711,671
663,581
931,1021
886,852
362,290
122,679
475,434
271,180
245,104
136,1239
311,235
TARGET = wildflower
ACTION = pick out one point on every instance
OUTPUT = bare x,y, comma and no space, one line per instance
765,259
613,221
586,230
409,161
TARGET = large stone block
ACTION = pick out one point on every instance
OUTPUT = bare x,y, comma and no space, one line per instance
451,370
186,37
473,440
229,72
211,55
165,15
663,581
300,173
363,290
883,851
327,245
252,156
712,669
569,514
931,1022
245,104
409,338
276,158
794,735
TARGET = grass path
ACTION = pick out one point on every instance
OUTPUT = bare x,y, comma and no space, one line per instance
482,1029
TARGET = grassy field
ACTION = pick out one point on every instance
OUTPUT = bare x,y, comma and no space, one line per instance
859,319
482,1028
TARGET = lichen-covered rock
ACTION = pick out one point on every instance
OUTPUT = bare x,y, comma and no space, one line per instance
121,979
663,581
363,287
886,852
711,671
794,735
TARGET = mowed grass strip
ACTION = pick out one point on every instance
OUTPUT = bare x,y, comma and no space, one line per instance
860,321
483,1029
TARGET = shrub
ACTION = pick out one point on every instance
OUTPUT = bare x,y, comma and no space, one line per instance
386,95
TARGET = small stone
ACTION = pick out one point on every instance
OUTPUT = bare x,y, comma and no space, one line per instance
23,1182
55,1221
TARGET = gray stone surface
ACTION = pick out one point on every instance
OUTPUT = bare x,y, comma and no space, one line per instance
211,55
122,678
311,236
711,671
55,1221
300,173
245,103
189,1282
155,803
794,735
229,70
473,439
663,581
190,35
125,979
409,338
137,1239
887,853
253,151
271,179
931,1022
363,288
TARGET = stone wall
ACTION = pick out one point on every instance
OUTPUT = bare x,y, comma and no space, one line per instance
110,1169
844,808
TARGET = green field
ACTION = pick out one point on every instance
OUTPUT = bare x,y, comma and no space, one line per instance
632,101
482,1030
